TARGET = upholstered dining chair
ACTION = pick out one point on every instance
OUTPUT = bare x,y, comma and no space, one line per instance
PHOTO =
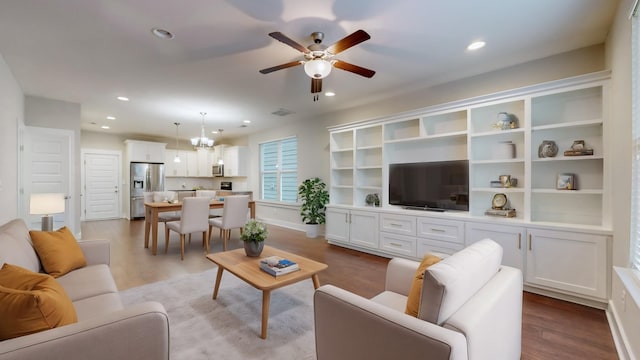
211,194
159,196
234,216
195,216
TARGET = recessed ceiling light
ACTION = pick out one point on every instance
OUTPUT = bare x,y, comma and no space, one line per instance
105,127
162,33
246,121
122,98
111,117
476,45
329,93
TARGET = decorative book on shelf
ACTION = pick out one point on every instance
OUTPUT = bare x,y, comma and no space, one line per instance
277,266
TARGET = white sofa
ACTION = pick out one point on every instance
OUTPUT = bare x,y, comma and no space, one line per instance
471,304
105,328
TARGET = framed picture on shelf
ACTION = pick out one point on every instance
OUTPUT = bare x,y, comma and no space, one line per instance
566,182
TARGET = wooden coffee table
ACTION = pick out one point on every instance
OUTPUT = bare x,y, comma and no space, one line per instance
248,269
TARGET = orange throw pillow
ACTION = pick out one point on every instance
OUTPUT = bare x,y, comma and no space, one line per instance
58,251
31,302
413,300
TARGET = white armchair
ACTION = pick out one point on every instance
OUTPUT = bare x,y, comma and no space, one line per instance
470,308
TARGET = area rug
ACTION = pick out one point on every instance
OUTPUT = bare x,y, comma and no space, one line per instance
229,327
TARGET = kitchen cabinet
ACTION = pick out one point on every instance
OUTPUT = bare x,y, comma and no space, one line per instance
235,161
356,227
191,164
145,151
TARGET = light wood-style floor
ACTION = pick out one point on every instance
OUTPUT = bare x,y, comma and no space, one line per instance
552,329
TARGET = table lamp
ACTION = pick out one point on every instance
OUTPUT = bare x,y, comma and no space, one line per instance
46,204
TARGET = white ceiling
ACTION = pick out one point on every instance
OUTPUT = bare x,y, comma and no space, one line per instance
90,51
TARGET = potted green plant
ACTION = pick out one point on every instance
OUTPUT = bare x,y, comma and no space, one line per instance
254,234
314,196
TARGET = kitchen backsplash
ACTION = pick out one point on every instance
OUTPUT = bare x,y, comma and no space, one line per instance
190,183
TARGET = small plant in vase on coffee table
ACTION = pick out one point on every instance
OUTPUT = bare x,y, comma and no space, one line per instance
254,234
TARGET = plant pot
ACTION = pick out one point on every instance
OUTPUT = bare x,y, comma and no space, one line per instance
312,230
253,249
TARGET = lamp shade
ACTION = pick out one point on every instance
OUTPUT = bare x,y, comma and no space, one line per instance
45,204
317,69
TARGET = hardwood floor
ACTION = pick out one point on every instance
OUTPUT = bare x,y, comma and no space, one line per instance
551,329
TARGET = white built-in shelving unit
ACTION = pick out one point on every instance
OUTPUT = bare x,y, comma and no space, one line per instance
552,226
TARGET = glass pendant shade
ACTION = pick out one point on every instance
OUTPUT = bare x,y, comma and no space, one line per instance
177,158
317,69
203,141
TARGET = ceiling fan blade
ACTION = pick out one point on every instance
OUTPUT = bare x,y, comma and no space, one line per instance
349,41
285,39
353,68
280,67
316,86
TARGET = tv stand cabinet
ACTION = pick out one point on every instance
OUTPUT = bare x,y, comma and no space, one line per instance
560,239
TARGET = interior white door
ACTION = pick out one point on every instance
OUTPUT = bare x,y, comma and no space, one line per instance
47,167
101,194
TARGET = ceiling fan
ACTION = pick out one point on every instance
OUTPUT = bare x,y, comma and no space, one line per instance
318,59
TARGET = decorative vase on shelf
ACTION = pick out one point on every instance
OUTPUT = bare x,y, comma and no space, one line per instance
547,148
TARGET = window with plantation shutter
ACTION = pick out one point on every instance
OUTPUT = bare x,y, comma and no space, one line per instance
279,170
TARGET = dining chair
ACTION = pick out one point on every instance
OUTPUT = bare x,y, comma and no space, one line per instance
160,196
234,216
211,194
195,213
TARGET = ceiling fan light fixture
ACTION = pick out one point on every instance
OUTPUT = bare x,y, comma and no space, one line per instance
317,68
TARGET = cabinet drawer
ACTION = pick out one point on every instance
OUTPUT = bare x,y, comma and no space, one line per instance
428,246
445,230
398,224
398,244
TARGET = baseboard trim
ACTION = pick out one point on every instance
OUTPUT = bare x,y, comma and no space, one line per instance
616,333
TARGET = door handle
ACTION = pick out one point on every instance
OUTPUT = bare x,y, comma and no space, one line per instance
519,241
529,242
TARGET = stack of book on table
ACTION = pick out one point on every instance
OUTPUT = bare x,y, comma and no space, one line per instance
277,266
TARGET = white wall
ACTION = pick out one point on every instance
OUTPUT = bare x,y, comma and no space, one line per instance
623,311
11,120
56,114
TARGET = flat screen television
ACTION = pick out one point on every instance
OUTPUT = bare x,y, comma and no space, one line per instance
436,186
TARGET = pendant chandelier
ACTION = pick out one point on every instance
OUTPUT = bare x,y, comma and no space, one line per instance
203,141
177,158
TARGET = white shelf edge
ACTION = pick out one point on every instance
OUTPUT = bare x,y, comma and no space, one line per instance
366,187
450,135
503,190
569,158
342,186
498,161
342,168
568,124
568,192
369,147
341,150
408,139
497,132
373,167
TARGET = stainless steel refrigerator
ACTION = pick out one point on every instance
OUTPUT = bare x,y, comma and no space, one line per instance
144,177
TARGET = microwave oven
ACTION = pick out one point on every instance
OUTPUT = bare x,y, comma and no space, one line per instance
217,170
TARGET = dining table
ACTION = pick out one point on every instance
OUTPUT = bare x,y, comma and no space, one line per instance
152,209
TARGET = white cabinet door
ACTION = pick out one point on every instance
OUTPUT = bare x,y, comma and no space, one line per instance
569,261
191,164
204,162
511,238
235,161
145,151
364,228
337,225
